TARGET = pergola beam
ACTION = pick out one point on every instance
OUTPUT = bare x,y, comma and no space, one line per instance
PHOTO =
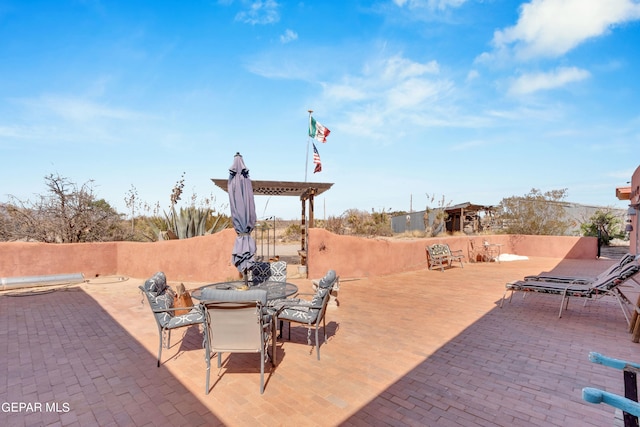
305,190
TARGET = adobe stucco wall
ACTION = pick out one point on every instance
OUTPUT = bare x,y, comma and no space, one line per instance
359,257
199,259
34,259
635,220
208,258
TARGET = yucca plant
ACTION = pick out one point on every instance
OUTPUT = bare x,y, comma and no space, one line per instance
190,222
193,221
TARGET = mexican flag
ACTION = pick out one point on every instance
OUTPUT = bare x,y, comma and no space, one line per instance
317,131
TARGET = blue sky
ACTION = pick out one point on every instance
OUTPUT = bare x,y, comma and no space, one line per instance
470,100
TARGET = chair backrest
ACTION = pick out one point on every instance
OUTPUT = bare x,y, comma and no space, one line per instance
268,271
616,277
439,249
156,284
323,293
157,292
234,320
278,271
615,268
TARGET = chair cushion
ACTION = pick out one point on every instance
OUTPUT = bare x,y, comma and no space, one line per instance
156,284
299,314
195,316
162,302
279,271
263,271
260,272
328,280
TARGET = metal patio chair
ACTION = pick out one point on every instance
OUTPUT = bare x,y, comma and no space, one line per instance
237,322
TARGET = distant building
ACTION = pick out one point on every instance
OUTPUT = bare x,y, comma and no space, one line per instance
471,218
466,217
632,217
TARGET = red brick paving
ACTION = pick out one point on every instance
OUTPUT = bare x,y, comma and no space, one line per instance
418,348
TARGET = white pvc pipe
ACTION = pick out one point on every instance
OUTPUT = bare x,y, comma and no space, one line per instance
7,283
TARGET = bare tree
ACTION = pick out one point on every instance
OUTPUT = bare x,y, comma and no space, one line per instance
67,213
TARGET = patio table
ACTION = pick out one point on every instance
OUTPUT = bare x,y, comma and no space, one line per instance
275,290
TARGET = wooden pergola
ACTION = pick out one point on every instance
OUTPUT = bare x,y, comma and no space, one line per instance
306,191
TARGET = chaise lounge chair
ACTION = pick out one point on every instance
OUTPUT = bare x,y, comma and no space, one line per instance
607,285
548,277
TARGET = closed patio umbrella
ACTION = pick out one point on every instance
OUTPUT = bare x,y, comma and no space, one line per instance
243,214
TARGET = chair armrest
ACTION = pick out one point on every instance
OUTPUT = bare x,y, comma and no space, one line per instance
613,363
296,305
274,310
594,395
172,309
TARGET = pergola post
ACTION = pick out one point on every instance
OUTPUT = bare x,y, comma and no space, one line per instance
303,231
304,226
311,208
305,190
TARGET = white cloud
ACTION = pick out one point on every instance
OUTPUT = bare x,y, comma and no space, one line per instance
51,118
390,92
429,4
288,36
468,145
345,92
472,75
13,132
260,12
529,83
551,28
411,93
401,68
78,109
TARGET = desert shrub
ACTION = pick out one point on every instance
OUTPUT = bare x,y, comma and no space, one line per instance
363,223
335,224
535,213
605,225
292,232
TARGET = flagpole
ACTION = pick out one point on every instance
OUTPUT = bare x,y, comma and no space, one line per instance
306,163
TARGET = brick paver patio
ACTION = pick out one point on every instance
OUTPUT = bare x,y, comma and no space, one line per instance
425,348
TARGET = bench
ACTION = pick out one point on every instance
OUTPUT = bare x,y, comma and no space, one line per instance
440,255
